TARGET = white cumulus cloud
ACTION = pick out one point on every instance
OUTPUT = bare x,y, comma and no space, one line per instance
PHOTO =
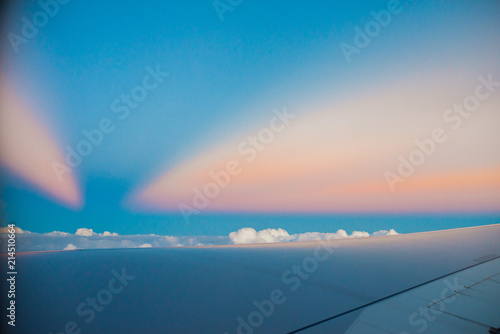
85,232
385,232
70,247
17,229
249,235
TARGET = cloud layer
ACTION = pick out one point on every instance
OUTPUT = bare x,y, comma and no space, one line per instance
250,236
85,238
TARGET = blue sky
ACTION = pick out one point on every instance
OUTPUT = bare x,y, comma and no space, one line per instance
224,79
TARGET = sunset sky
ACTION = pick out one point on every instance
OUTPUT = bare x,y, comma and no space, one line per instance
207,86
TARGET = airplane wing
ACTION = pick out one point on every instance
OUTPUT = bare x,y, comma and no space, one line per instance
433,282
466,301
